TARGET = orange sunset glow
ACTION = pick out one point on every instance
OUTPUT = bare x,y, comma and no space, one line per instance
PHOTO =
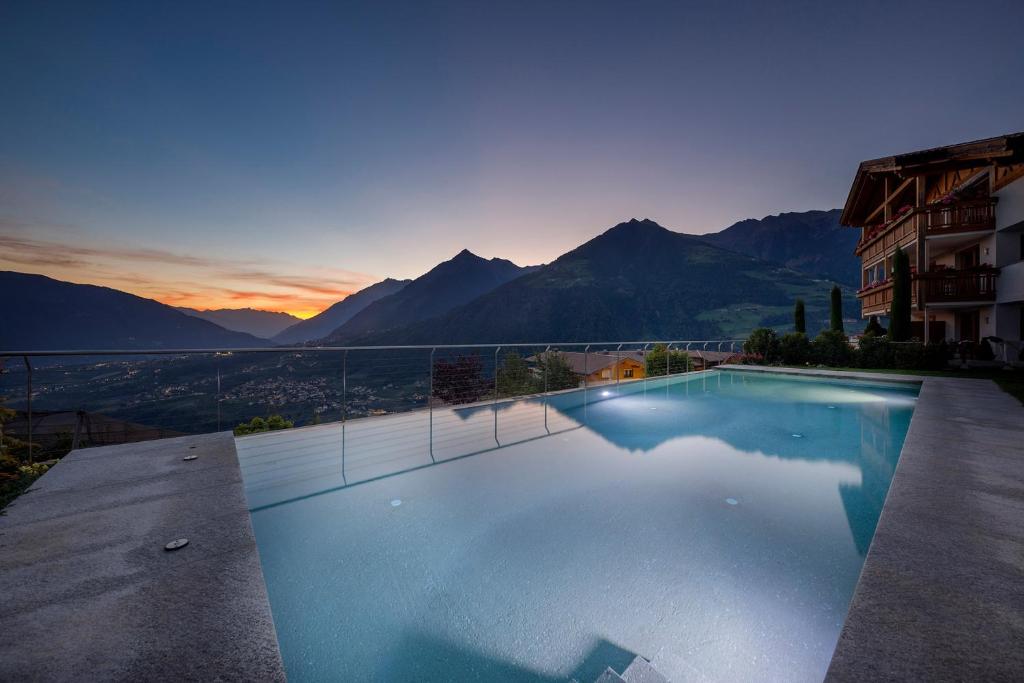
182,279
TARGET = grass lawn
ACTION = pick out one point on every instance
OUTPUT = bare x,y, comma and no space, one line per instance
1010,381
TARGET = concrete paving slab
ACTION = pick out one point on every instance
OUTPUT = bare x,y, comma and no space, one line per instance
82,557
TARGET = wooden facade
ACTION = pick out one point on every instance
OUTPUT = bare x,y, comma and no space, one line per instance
937,205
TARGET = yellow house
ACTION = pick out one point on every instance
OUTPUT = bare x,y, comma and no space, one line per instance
606,366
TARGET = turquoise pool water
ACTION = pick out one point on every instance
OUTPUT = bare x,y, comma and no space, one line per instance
715,524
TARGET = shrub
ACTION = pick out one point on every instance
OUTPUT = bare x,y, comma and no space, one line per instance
874,352
832,348
795,348
258,424
874,328
763,342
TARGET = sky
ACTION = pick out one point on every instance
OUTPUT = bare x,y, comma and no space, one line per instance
283,155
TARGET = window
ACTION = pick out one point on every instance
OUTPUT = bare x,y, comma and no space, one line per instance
628,372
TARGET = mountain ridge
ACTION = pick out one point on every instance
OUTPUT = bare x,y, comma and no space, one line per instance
809,241
447,285
328,320
254,321
46,314
636,279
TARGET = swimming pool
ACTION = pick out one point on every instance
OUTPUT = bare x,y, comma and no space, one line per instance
715,524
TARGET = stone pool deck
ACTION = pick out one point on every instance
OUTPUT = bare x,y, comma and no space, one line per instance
941,594
89,593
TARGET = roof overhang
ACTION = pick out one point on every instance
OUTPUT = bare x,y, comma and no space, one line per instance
1003,149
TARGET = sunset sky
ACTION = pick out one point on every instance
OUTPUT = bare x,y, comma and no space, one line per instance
281,156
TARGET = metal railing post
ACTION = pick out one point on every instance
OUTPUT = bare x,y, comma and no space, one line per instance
344,410
494,407
644,354
28,404
586,357
546,358
430,405
688,356
618,361
218,393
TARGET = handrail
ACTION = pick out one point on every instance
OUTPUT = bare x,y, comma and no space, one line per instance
618,349
324,349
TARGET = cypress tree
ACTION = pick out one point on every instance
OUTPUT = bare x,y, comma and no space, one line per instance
836,310
899,325
799,321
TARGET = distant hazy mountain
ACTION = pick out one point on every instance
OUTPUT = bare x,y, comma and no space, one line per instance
322,324
811,242
449,284
635,281
40,313
258,323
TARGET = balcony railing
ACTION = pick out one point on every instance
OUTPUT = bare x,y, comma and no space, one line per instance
935,220
967,216
959,286
99,397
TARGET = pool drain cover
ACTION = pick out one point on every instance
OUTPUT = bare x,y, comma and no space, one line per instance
176,543
732,501
396,502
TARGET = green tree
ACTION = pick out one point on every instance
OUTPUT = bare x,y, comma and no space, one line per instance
799,317
899,323
258,424
836,310
555,372
763,342
655,359
516,378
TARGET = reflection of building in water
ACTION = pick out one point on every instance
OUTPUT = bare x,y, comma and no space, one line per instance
879,453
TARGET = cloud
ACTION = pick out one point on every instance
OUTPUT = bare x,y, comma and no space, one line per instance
180,278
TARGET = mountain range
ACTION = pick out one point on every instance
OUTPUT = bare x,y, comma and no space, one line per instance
258,323
636,280
812,242
327,321
448,285
40,313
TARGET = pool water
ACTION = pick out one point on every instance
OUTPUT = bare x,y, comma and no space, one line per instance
715,524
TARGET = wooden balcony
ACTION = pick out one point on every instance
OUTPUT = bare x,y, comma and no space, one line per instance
883,239
878,299
950,219
934,287
933,220
960,286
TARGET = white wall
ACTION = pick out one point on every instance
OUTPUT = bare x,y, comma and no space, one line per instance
1010,208
1010,285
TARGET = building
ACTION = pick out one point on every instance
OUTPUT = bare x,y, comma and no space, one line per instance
958,212
604,366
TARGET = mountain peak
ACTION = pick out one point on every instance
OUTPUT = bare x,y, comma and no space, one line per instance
638,224
465,253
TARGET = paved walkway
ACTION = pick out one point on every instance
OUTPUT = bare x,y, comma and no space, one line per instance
89,593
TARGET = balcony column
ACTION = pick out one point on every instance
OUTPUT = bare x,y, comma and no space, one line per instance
920,198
